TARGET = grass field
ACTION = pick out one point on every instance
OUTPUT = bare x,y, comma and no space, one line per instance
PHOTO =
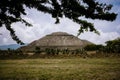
61,69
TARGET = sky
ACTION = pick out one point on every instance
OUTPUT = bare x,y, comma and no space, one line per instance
44,24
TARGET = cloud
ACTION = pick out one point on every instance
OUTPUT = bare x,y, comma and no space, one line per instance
38,30
43,24
5,37
100,39
115,2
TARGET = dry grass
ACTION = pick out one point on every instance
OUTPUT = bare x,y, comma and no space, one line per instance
61,69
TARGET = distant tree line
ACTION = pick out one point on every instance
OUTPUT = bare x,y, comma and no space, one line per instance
112,46
93,47
11,53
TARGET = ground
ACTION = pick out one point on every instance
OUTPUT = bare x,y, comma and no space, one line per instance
61,69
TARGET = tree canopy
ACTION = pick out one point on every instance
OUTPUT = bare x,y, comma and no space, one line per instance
113,45
12,10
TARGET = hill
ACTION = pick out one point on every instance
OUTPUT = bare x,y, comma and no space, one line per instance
11,46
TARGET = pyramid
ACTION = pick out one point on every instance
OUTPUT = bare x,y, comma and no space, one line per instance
57,40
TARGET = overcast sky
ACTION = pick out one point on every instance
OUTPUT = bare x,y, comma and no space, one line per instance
44,24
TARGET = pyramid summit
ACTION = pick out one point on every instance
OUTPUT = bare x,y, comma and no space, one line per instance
59,34
57,40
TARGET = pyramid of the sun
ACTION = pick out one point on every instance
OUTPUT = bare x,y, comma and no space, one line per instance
57,40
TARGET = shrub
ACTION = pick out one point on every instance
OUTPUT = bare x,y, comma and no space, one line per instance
93,47
37,50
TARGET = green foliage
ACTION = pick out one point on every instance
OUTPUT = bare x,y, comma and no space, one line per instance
48,51
93,47
78,51
10,53
11,11
37,50
113,45
65,51
51,51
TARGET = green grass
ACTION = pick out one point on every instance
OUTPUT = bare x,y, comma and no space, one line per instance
61,69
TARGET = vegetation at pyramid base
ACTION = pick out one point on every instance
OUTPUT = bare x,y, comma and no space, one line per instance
11,11
112,46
